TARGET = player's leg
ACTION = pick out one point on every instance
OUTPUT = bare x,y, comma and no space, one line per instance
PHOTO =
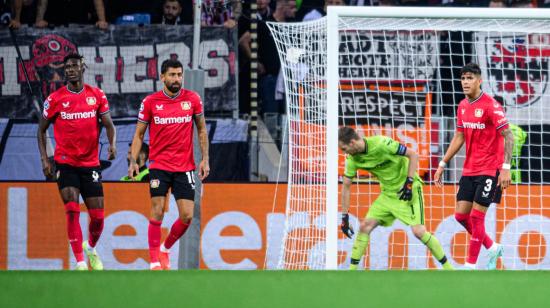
465,197
378,214
495,250
92,192
411,213
361,241
484,194
158,187
69,189
184,193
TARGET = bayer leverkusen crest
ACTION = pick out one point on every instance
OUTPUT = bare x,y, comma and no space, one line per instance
90,100
517,68
478,113
186,105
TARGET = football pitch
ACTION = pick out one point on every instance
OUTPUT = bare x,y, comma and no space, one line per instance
200,288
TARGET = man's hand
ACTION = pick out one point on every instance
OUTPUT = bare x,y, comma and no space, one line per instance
438,177
504,178
112,152
47,168
133,170
15,24
102,24
407,191
204,169
345,227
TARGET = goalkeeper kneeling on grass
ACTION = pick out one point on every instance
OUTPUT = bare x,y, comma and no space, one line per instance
401,190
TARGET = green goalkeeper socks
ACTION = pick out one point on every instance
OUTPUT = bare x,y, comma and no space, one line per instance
437,251
359,247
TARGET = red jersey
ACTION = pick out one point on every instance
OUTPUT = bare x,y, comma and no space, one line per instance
170,122
76,124
481,122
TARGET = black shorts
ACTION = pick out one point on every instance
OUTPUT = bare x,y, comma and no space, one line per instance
85,179
182,184
481,189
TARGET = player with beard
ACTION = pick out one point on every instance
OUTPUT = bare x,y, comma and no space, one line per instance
170,114
74,111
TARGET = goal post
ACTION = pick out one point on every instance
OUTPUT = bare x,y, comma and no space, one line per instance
393,71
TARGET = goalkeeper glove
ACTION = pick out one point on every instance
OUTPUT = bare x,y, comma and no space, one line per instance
406,192
345,227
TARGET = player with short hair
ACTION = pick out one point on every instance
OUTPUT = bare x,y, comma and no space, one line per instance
75,111
394,165
482,125
170,114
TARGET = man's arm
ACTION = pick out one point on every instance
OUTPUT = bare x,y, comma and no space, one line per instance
111,134
137,142
505,177
454,147
244,43
345,195
413,162
344,225
15,23
204,166
40,12
41,135
100,11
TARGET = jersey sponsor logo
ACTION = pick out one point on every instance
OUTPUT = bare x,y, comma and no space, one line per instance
172,120
159,107
66,104
186,105
77,115
141,116
95,176
498,112
478,113
501,120
90,100
141,107
473,125
47,104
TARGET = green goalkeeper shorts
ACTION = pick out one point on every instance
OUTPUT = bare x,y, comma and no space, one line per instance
387,207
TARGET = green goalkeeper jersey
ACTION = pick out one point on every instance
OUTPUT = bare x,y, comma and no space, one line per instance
383,158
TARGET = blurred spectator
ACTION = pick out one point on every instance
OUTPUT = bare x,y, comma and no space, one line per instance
143,157
316,13
64,12
171,11
264,10
543,3
23,12
363,2
522,3
217,13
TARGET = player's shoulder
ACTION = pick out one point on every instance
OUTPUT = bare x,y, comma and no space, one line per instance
95,90
190,94
378,140
463,102
153,96
491,102
57,94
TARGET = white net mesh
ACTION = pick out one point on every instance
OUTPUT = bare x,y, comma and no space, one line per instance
400,77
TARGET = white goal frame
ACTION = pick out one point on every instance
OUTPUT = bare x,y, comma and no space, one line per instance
332,78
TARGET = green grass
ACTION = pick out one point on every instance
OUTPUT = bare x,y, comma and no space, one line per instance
259,289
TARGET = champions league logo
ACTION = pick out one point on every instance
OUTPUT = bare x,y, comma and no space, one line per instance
517,69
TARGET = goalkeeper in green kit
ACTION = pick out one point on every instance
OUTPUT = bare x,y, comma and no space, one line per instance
394,165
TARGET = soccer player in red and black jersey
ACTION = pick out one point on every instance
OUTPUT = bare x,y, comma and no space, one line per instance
170,114
482,125
75,111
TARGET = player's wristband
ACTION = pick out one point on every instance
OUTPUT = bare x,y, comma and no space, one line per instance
442,164
506,166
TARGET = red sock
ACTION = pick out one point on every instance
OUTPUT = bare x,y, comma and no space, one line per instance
154,240
178,230
96,225
478,233
464,220
72,211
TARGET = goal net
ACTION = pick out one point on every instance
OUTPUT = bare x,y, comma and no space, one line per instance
395,72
